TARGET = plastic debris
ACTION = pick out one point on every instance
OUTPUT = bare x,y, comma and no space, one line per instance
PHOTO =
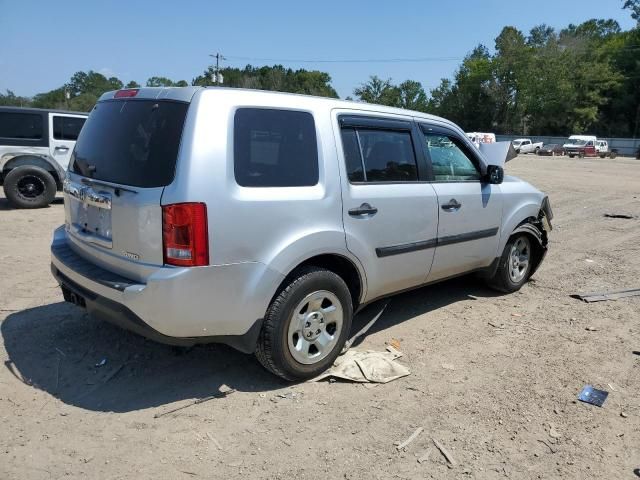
411,438
625,216
602,296
444,451
364,329
593,396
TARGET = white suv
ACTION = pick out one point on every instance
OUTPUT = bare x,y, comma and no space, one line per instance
35,147
265,220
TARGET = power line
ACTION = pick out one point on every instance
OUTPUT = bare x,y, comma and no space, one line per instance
353,60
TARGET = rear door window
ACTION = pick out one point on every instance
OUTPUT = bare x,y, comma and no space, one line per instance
378,155
28,126
275,148
67,128
131,142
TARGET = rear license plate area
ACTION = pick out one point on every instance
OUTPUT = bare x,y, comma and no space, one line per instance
91,220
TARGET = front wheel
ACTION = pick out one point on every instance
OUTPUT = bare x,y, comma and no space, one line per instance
306,325
29,187
515,265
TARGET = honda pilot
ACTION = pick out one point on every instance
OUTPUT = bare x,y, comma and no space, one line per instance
266,220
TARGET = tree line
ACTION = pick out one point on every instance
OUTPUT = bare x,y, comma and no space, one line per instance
583,78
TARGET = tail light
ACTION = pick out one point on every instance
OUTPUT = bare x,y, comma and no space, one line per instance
126,93
184,234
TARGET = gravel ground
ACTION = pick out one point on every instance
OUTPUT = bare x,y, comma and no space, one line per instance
494,377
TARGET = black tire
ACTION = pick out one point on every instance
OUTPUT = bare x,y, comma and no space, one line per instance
29,187
571,156
502,280
273,343
537,150
613,155
602,155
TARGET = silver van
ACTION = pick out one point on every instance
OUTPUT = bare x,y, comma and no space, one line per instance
265,220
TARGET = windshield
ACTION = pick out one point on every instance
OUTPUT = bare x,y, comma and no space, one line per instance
131,142
576,141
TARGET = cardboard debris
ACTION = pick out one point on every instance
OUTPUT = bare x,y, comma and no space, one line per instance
367,367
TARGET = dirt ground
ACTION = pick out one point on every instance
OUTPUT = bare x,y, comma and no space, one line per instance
494,377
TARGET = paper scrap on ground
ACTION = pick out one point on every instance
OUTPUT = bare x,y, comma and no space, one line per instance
367,366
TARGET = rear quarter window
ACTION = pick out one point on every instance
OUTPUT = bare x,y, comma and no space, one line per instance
67,128
275,148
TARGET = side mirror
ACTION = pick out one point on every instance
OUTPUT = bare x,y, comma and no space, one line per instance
495,174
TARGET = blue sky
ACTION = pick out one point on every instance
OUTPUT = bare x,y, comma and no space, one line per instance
45,42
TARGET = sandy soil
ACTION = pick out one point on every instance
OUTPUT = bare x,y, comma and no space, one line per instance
501,399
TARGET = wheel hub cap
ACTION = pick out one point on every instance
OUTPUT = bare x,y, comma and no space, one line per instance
314,327
519,259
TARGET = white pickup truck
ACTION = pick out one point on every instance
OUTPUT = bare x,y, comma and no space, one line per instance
525,145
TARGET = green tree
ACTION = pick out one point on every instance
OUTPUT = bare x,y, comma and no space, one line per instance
276,77
634,6
412,96
165,82
132,84
10,99
378,91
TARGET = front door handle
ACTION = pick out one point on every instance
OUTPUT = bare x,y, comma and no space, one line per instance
364,209
452,206
62,148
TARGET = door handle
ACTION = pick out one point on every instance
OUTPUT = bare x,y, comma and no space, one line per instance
452,206
364,209
62,148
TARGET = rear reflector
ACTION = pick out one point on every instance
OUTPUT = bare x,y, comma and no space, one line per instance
129,92
184,234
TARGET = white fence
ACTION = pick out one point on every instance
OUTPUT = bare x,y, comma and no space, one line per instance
625,146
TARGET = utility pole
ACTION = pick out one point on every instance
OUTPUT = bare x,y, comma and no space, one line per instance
217,75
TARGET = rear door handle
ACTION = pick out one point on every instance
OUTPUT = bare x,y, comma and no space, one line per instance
452,206
63,148
364,209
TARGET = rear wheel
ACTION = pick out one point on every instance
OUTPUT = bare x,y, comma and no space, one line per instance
306,325
515,265
613,155
29,187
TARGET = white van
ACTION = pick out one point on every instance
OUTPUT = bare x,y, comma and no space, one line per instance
478,137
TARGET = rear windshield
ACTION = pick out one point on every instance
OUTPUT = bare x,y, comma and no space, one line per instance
131,142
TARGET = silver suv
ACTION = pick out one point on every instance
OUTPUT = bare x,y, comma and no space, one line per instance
265,220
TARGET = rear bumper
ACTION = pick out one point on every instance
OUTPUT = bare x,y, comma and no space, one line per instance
178,306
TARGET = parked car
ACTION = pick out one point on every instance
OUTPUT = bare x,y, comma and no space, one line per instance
264,220
35,147
551,149
525,145
603,151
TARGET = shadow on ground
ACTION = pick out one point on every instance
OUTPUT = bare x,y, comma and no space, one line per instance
5,205
93,365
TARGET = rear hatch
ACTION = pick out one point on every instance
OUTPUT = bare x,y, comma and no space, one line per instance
124,157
